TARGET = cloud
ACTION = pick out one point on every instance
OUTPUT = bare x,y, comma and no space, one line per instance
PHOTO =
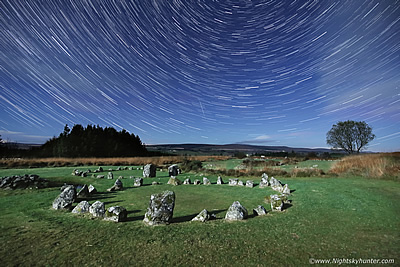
261,139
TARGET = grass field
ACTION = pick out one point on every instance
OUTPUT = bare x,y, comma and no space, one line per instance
351,217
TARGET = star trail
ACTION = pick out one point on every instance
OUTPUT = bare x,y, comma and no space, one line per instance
206,71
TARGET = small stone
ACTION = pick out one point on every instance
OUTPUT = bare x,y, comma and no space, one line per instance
118,186
240,183
260,210
233,182
138,182
174,181
100,176
206,181
97,209
249,183
219,180
92,189
236,212
196,182
187,181
203,216
110,175
82,207
155,183
116,214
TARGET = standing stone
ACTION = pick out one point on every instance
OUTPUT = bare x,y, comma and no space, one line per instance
233,182
260,210
116,214
82,207
264,181
173,170
276,203
187,181
120,177
276,185
100,176
240,183
97,209
117,186
286,190
219,180
161,208
236,212
100,169
92,189
138,182
84,192
110,175
119,168
149,170
66,198
174,181
196,182
203,216
249,183
206,181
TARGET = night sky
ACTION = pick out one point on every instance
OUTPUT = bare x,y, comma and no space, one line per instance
205,71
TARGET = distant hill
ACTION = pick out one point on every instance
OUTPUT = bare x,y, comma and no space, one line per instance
230,149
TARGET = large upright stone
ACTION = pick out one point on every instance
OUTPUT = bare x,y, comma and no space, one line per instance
97,209
219,180
66,198
276,185
110,175
264,181
233,182
161,208
173,170
276,202
236,212
92,189
149,170
249,183
286,190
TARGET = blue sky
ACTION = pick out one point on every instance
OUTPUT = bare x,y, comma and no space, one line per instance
255,72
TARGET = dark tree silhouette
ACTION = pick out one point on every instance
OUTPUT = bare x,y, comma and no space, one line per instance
93,141
351,136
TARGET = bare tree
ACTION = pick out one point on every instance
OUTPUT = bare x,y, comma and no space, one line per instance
351,136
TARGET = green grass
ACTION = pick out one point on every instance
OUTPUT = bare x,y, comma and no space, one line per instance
329,218
324,165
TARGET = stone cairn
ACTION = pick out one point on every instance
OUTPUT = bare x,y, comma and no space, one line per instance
23,182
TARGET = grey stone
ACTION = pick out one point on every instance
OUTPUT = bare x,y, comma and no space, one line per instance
120,177
233,182
174,181
84,192
196,182
249,183
100,169
97,209
240,183
276,202
206,181
219,180
236,212
116,214
260,210
66,198
173,170
23,182
110,175
203,216
187,181
82,207
118,186
161,208
138,182
276,185
92,189
149,170
100,176
155,183
264,181
286,190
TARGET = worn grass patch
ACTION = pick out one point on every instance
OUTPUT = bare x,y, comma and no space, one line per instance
329,218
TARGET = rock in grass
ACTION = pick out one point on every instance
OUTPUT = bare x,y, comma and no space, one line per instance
138,182
174,181
203,216
110,176
173,170
196,182
240,183
84,192
206,181
187,181
276,202
117,186
259,211
161,208
264,181
249,183
82,207
116,214
236,212
219,180
100,176
92,189
286,190
276,185
233,182
97,209
66,198
149,170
